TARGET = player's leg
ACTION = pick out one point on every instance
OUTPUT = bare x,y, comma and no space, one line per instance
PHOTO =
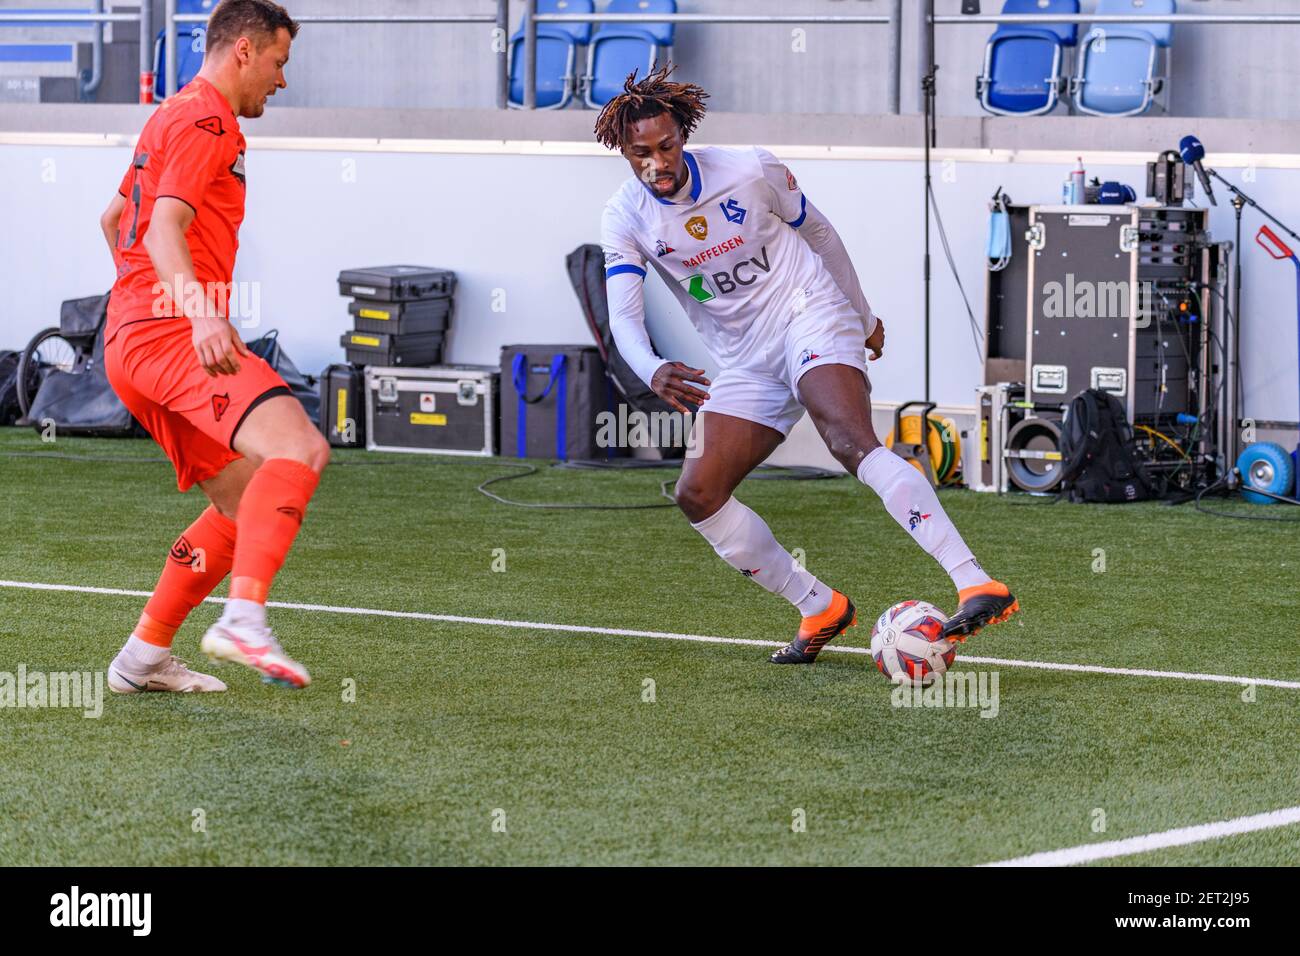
197,561
726,449
838,400
290,454
225,488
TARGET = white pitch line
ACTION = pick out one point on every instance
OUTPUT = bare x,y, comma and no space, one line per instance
673,636
1182,836
1127,671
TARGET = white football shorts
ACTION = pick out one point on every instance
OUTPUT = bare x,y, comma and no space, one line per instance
769,394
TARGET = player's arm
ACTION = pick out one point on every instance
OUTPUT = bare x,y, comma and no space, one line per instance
108,222
790,203
624,279
111,220
216,342
194,158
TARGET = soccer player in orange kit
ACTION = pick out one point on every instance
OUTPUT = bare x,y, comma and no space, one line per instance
225,419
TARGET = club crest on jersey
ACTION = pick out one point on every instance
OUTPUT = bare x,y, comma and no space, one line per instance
210,124
219,405
732,211
914,519
662,248
237,168
807,355
697,227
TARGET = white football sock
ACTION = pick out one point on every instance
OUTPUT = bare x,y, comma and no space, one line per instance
911,500
969,575
137,656
241,611
745,542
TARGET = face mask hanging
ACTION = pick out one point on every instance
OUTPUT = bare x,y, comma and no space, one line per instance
999,244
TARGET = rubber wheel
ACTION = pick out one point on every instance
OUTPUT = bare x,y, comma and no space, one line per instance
1267,466
47,350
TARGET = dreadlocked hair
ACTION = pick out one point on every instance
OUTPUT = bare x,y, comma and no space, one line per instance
649,97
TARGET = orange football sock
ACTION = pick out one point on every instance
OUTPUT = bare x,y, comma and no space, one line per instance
196,564
270,513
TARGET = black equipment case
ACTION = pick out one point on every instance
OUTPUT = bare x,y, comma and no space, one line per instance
377,348
550,403
448,410
401,318
397,283
342,406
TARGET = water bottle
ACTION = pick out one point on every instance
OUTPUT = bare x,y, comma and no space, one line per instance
1077,185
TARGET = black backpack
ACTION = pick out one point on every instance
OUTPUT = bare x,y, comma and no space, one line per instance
10,410
1098,461
587,273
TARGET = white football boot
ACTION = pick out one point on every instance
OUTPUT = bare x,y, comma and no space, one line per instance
172,675
256,647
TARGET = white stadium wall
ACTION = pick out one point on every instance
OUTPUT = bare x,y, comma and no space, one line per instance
505,221
331,189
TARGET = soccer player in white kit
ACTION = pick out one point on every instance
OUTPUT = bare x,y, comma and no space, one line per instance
767,283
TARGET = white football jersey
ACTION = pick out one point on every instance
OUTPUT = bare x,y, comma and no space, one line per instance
729,253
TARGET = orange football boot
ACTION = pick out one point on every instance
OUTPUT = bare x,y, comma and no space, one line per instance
978,607
817,631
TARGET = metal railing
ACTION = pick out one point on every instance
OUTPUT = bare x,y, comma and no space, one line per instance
532,18
1032,19
498,19
97,18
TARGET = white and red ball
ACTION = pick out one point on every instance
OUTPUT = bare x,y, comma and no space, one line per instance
907,643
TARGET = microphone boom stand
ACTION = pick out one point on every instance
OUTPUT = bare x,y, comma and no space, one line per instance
1239,201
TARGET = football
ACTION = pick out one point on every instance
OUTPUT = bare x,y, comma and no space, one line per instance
906,643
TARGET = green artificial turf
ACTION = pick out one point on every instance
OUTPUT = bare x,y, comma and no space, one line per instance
456,726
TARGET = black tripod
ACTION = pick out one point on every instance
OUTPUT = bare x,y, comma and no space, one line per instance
919,451
1239,201
928,90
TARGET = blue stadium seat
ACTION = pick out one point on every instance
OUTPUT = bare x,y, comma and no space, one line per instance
1116,74
1023,66
620,48
190,40
557,55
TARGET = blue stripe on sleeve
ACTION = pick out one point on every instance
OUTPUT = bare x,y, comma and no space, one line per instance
803,213
617,270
